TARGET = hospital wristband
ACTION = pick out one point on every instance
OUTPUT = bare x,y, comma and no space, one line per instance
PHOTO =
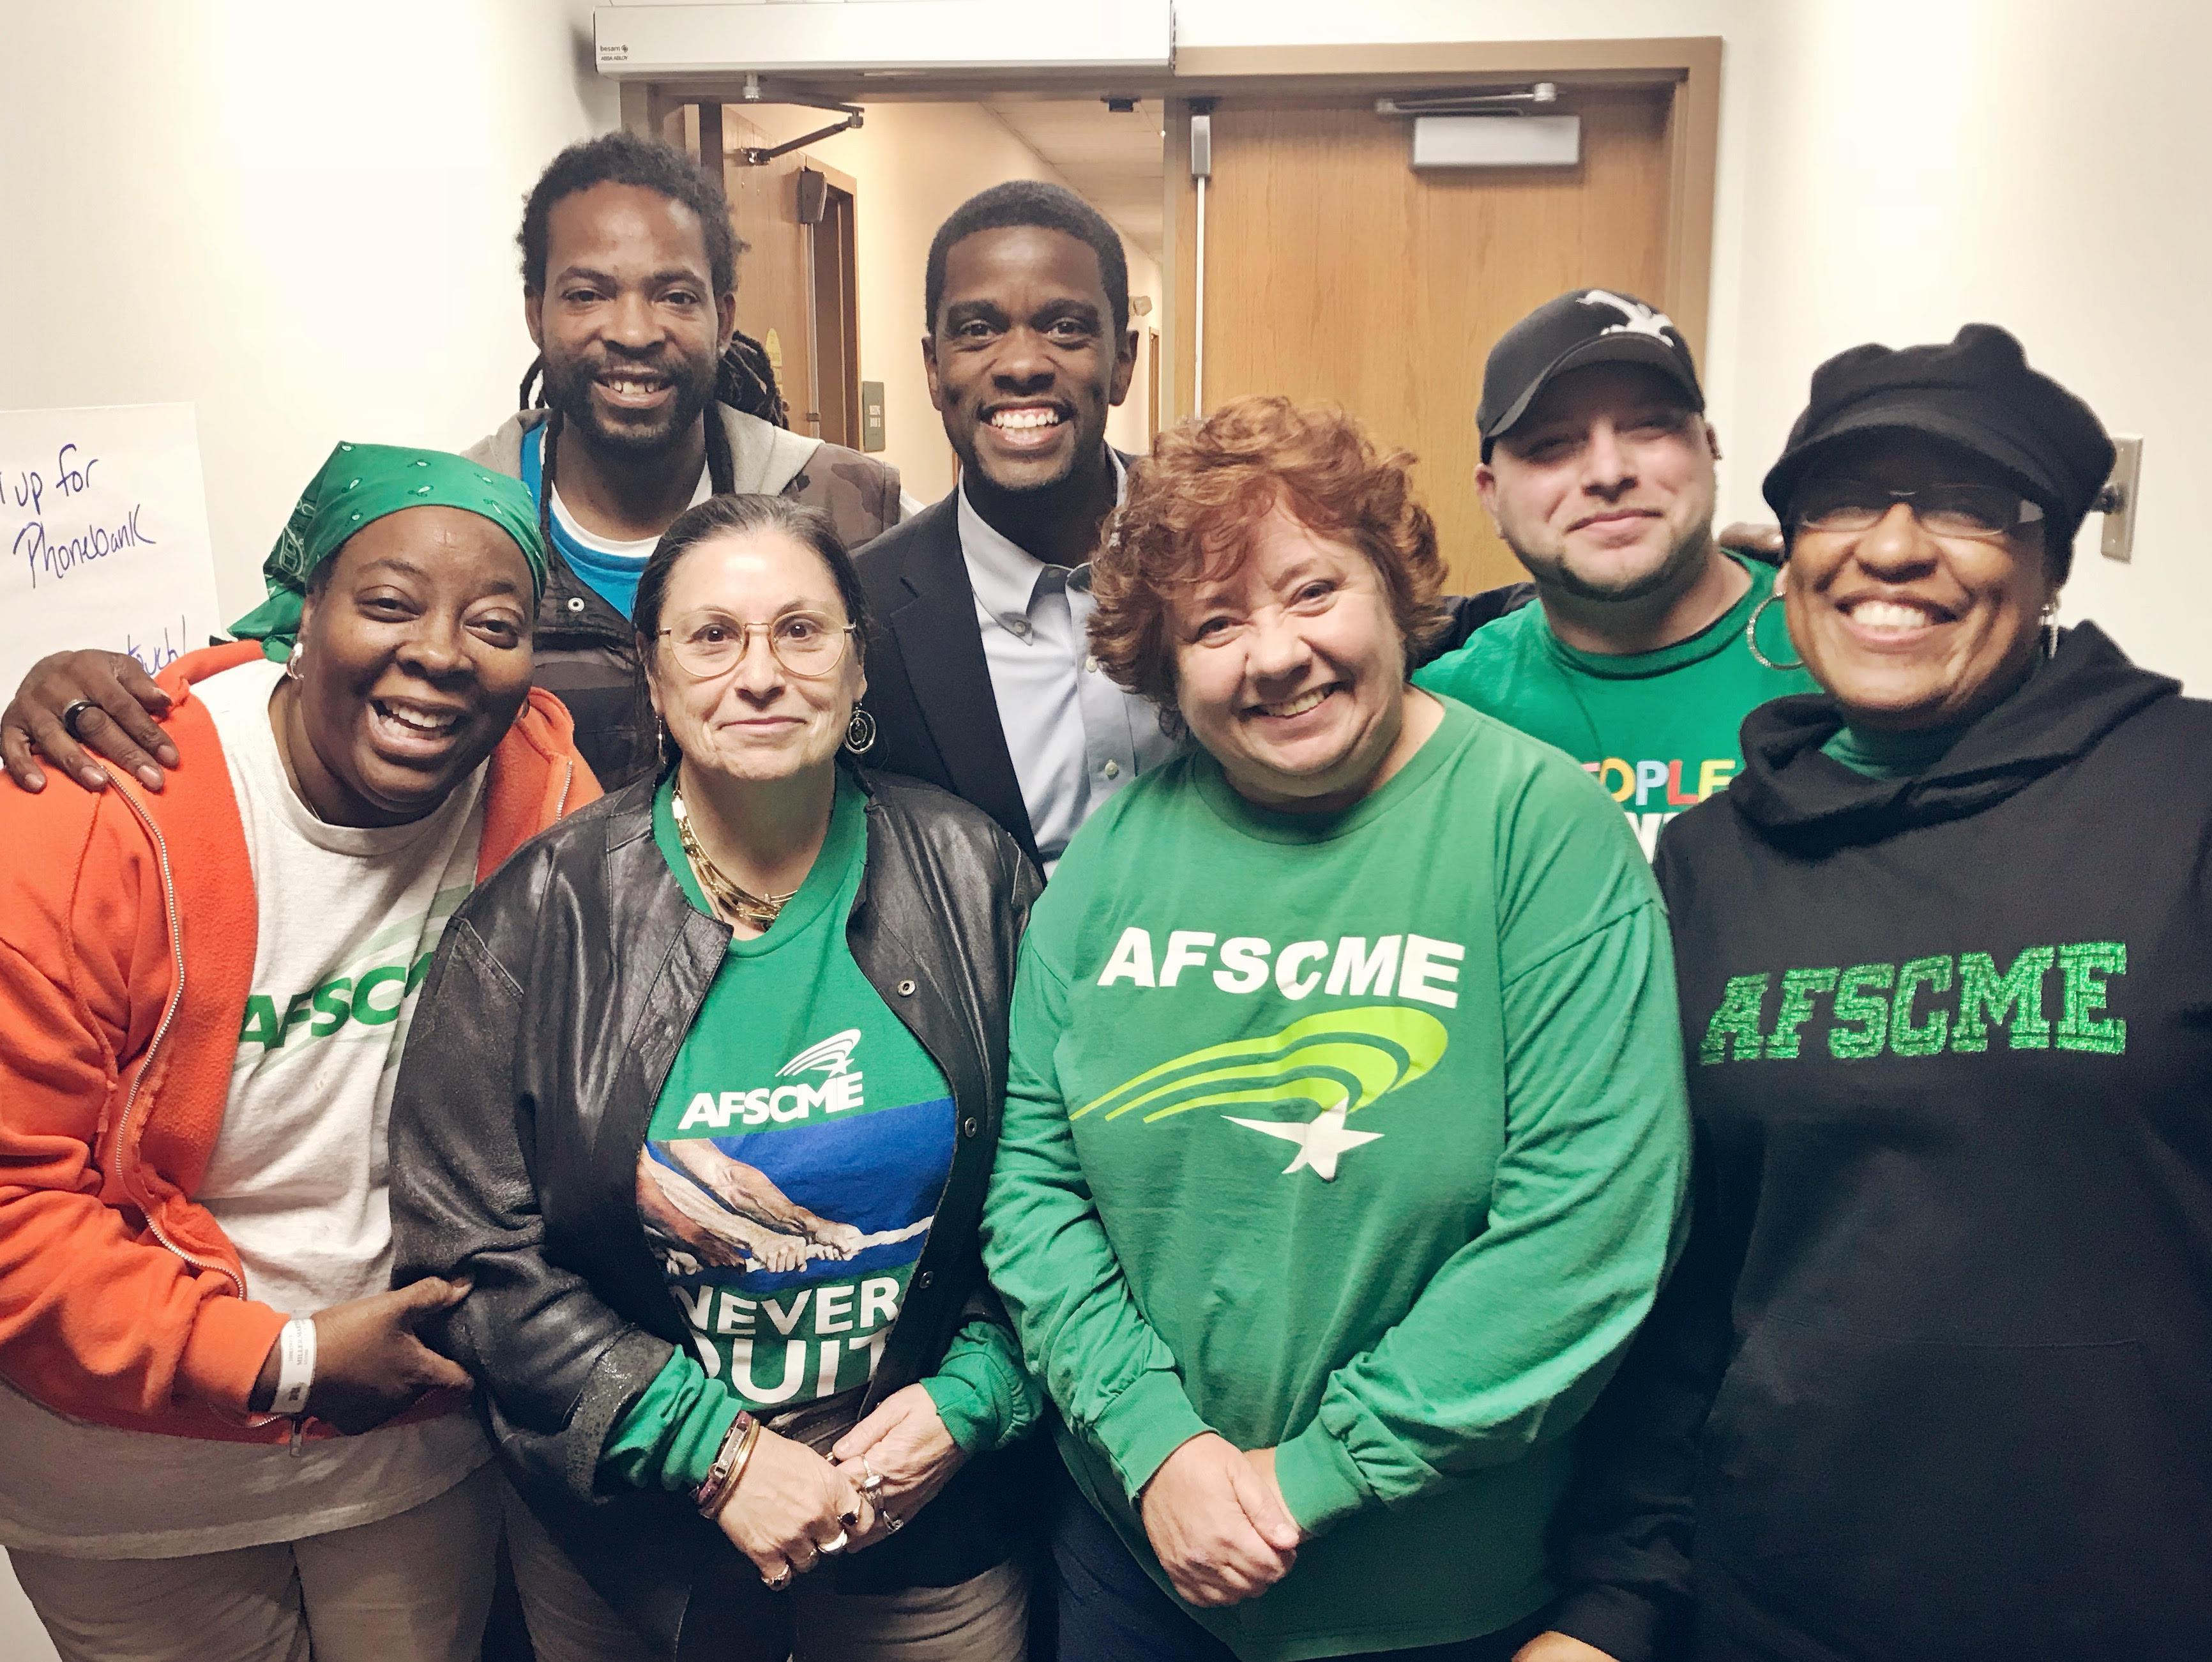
295,1367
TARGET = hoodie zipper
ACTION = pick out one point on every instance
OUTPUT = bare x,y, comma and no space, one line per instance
161,1032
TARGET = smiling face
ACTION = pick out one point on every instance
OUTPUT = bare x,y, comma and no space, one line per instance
628,320
756,721
1022,361
1907,629
413,659
1290,670
1605,488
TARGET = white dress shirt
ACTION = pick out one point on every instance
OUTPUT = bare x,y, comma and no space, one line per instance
1075,737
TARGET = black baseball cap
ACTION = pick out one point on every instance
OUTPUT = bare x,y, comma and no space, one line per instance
1977,393
1580,328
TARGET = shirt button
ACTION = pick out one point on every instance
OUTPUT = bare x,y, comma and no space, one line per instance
1090,666
968,1127
925,1278
575,603
906,990
1113,770
1017,625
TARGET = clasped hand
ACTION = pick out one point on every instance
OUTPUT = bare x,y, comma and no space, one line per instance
791,1506
1217,1522
370,1360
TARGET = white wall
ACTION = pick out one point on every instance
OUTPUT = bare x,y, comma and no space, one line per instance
299,217
1918,164
913,164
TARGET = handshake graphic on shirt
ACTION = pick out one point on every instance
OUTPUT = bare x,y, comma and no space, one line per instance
719,1213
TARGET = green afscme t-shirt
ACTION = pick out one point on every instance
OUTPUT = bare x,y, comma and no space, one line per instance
1657,730
1361,1137
795,1157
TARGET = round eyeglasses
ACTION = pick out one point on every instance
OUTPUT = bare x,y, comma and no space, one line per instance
806,643
1984,512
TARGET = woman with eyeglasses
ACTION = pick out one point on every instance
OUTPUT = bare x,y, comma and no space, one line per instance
1934,1376
702,1109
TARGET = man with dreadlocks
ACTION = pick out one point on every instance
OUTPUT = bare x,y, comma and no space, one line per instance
629,290
650,401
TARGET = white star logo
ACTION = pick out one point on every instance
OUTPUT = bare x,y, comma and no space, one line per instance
1636,318
1319,1140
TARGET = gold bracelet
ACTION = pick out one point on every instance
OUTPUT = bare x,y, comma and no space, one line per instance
744,1459
729,1461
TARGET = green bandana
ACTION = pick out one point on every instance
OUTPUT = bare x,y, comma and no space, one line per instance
360,483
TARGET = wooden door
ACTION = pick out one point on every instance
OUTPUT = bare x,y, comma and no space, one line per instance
836,333
1334,272
773,303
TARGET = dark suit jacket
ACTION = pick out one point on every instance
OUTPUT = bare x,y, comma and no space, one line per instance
929,686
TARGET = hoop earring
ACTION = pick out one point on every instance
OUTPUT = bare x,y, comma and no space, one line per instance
292,661
860,732
1751,637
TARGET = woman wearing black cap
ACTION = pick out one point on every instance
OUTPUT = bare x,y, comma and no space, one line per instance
1934,1377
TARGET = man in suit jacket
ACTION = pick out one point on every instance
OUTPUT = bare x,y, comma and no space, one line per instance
979,677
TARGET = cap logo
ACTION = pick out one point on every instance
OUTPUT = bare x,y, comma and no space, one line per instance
1636,318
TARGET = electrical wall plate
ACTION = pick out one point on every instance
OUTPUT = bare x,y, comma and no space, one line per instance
2118,499
871,416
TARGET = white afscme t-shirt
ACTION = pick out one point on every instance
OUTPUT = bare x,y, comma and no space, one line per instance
349,919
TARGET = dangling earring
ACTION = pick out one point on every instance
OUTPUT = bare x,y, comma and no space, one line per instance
1751,635
860,732
2051,628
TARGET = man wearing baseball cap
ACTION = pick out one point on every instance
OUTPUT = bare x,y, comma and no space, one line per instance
1649,643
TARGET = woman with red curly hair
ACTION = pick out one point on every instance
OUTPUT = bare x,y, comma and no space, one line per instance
1344,1139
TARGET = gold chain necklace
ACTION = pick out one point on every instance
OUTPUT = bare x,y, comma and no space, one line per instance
741,903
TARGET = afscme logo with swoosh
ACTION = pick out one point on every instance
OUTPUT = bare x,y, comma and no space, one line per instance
1338,1061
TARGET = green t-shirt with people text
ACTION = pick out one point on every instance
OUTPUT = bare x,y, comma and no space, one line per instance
1656,730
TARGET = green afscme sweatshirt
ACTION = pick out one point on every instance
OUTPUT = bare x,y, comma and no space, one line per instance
1362,1136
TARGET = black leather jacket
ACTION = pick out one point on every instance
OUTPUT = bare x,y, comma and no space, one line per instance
559,997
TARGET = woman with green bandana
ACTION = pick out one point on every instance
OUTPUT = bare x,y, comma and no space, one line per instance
225,1438
1345,1137
702,1106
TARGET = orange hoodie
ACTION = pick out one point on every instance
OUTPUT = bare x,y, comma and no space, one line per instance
127,932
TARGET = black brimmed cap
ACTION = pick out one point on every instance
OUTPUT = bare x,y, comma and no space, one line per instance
1977,394
1578,329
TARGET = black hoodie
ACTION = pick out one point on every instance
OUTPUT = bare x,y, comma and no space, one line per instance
1934,1377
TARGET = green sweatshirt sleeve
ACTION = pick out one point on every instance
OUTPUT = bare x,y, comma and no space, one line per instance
1111,1375
1517,1333
982,1391
667,1439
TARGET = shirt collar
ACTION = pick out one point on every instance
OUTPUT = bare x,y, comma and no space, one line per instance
1004,576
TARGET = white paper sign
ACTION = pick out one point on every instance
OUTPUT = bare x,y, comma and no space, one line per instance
103,524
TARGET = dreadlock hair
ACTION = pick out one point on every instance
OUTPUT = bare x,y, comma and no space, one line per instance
746,381
1021,202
